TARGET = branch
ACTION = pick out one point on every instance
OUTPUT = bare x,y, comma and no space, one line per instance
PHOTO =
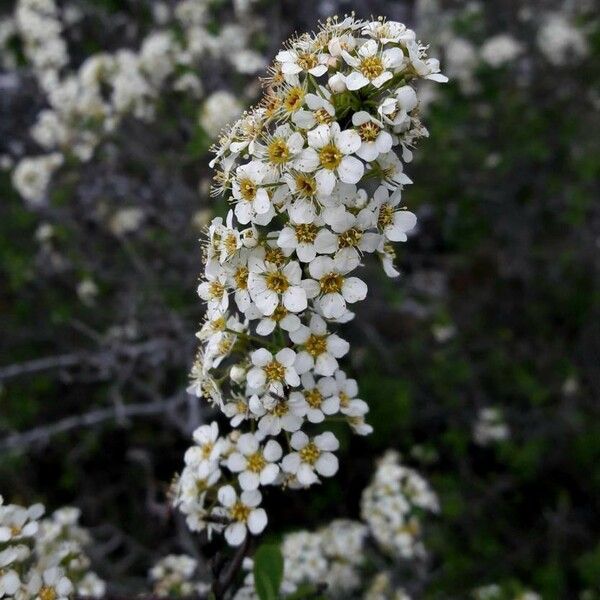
224,581
118,413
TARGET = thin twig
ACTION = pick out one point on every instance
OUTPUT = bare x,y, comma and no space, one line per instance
43,433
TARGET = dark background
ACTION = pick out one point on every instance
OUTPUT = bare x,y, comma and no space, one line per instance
505,263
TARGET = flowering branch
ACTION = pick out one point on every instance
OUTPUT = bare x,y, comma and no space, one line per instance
314,178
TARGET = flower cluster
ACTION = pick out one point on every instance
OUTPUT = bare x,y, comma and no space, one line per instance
87,104
44,558
490,427
341,555
392,505
314,175
174,576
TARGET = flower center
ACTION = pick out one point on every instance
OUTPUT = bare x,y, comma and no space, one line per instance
280,409
278,151
274,371
306,232
277,281
331,283
279,313
47,593
256,462
294,99
271,103
316,345
371,67
207,449
307,60
368,131
350,238
344,399
230,243
313,398
239,512
386,215
226,344
310,453
274,255
247,189
330,156
306,185
241,278
323,117
216,289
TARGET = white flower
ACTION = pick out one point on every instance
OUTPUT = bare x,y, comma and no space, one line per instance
311,457
209,445
243,512
329,154
332,286
375,140
346,392
219,108
320,349
275,414
267,284
273,372
500,50
253,199
372,65
297,60
560,41
51,584
316,400
280,148
281,317
393,222
307,239
393,171
255,465
350,230
214,291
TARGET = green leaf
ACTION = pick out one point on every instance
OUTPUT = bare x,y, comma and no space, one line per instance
268,571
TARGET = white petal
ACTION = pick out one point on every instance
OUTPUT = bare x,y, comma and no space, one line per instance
236,462
326,441
247,444
319,137
257,521
249,480
326,364
235,534
227,496
294,299
299,440
272,451
286,356
269,474
356,80
306,475
261,357
336,346
332,306
351,169
354,289
327,464
291,462
348,141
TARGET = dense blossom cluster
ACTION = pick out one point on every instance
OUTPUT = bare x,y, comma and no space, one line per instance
340,555
391,506
87,104
314,178
44,557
